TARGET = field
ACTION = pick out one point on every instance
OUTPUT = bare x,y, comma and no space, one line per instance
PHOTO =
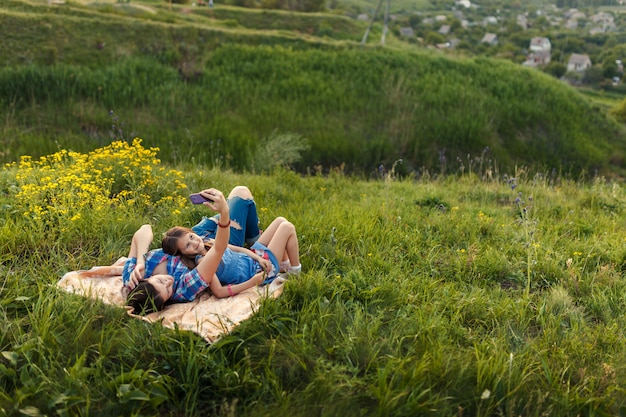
461,221
481,293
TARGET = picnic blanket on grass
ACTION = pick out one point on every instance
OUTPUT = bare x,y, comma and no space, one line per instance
207,315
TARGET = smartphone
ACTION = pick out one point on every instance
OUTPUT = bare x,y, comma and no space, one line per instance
197,198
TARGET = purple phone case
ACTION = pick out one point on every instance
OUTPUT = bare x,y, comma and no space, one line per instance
198,199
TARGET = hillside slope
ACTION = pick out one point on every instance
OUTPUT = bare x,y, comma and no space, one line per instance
186,82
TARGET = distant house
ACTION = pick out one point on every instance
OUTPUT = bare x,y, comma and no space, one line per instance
529,63
441,18
363,16
555,21
603,21
578,62
538,59
465,3
454,42
540,44
490,39
571,24
522,21
407,32
574,14
602,17
444,29
490,20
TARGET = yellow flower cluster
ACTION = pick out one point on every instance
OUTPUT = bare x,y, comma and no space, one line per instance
63,185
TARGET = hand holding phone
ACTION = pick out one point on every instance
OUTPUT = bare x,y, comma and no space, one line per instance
198,198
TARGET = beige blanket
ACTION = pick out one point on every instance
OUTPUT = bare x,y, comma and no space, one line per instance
208,316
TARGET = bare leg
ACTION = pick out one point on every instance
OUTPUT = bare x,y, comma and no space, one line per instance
285,241
241,191
270,231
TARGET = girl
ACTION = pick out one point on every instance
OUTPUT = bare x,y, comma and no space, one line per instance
239,264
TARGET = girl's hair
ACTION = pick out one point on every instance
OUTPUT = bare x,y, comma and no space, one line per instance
170,245
144,298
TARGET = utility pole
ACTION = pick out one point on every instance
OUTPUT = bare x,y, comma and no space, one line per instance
369,27
385,27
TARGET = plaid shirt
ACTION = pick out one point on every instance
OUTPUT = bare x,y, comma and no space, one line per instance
187,282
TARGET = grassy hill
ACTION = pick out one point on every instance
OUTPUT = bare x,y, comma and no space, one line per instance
217,87
495,291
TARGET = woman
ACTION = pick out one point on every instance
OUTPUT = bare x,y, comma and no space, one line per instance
154,277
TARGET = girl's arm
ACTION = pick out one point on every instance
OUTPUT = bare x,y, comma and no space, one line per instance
266,264
222,291
209,263
248,252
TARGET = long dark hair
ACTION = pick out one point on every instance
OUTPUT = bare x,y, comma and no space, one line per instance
144,298
170,245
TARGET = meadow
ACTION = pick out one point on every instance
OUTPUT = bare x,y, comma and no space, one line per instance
475,293
461,221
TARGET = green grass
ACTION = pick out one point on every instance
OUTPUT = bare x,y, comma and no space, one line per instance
419,297
355,107
606,100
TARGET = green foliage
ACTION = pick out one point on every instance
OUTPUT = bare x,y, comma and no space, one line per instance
316,24
278,150
306,6
619,112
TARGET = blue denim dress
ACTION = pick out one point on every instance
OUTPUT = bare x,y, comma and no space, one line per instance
237,267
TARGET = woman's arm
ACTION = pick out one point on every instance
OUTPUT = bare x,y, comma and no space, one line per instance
140,244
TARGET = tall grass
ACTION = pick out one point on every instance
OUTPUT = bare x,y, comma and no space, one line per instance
354,107
413,301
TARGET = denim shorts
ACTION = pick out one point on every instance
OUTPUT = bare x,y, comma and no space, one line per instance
244,226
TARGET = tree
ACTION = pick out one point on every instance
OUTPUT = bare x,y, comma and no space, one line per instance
609,67
433,38
593,75
556,69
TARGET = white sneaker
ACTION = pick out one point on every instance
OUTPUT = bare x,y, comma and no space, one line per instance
295,270
284,266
